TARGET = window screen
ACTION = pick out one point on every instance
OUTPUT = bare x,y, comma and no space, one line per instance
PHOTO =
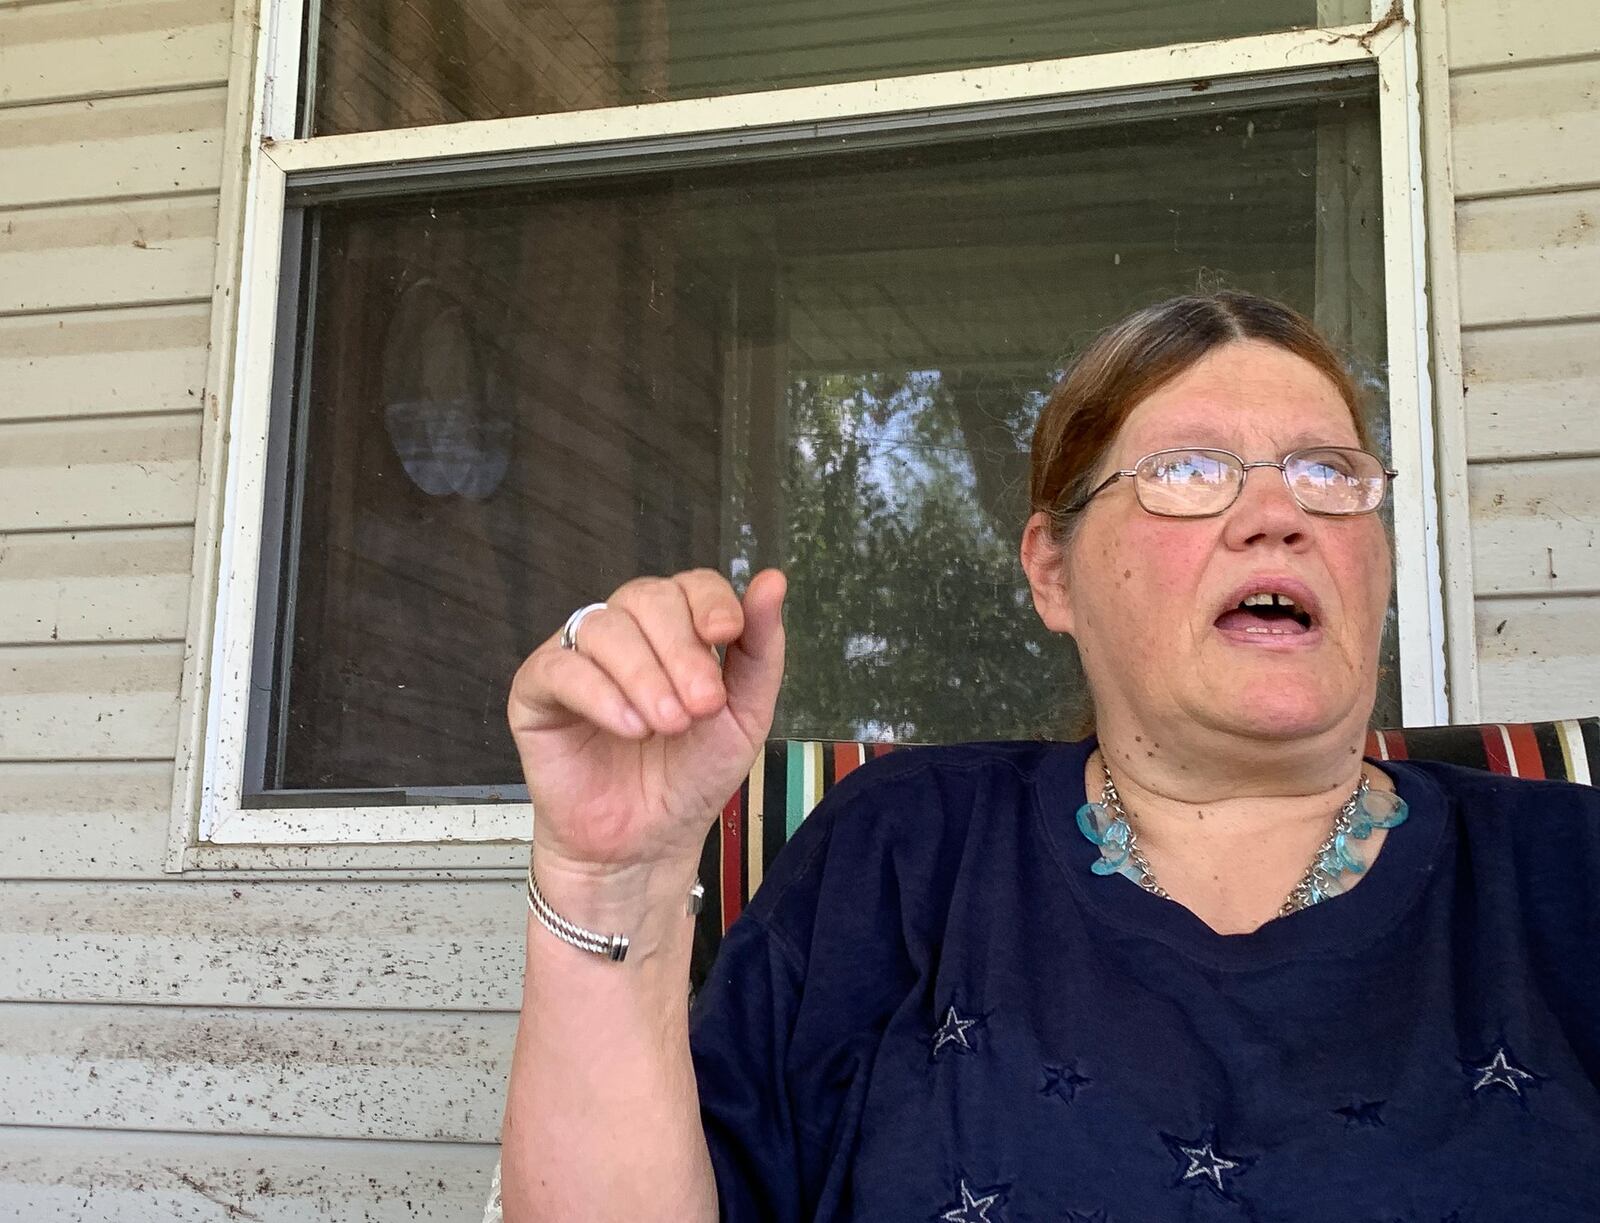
505,401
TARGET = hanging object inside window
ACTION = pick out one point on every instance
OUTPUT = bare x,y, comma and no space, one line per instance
445,403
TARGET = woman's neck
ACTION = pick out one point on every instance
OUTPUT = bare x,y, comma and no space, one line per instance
1231,859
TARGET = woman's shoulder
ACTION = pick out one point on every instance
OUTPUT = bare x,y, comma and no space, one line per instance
914,805
913,763
1544,824
914,786
1478,793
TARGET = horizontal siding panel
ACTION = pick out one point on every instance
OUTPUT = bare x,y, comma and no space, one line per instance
1484,33
1534,129
86,702
95,821
127,254
85,48
69,1176
1537,658
82,473
378,946
104,362
111,149
299,1074
1532,391
95,586
394,856
1529,258
1536,528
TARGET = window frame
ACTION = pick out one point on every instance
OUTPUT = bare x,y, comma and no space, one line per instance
213,830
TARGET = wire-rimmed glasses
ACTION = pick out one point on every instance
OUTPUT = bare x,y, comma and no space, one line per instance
1191,482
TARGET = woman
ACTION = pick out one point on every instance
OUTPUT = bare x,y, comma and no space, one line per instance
1207,963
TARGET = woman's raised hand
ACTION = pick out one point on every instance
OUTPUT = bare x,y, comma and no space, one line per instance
632,742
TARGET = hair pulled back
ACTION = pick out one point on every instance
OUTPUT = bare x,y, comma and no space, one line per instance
1131,359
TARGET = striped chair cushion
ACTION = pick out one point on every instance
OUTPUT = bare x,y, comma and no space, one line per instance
791,776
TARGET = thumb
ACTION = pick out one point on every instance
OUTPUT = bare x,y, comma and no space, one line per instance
752,668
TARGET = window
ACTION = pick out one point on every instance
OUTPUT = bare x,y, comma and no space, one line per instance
610,303
449,61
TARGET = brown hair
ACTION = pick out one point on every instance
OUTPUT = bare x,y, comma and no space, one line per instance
1131,359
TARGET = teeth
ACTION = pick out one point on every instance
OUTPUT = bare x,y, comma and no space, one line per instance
1268,599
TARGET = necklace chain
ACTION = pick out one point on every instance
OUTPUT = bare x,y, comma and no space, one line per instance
1311,886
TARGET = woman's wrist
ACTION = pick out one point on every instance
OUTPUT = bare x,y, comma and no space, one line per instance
646,903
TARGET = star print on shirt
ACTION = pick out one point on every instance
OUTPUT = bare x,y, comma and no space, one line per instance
1200,1163
975,1207
953,1031
1363,1113
1062,1082
1501,1070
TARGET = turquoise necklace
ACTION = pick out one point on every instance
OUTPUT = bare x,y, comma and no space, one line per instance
1108,824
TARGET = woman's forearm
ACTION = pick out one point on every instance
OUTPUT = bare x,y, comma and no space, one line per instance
602,1116
631,733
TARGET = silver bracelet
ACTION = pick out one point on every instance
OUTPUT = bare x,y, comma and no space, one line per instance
613,947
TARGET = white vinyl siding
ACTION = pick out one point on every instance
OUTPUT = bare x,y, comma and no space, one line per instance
95,821
85,474
1525,92
85,49
159,1178
105,363
310,1073
94,586
285,1051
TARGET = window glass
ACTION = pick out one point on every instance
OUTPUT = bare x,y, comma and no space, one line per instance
513,399
379,65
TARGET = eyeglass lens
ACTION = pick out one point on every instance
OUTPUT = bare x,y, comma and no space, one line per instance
1189,483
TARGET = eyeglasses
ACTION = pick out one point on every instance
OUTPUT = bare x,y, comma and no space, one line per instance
1189,483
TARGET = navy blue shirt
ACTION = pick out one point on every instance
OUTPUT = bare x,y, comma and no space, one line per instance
932,1010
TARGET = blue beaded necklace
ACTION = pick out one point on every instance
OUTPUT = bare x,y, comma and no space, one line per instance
1108,825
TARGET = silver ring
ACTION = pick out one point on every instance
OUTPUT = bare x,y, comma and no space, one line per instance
569,631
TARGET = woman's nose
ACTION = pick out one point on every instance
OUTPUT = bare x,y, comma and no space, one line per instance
1265,510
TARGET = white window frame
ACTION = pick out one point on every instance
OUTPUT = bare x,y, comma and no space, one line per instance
212,830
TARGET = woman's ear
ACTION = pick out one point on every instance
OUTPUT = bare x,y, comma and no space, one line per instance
1044,560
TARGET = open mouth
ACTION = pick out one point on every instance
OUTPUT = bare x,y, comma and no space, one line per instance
1267,614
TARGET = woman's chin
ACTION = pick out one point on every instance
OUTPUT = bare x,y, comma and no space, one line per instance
1280,711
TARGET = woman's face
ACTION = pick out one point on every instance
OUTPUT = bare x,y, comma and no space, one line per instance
1142,594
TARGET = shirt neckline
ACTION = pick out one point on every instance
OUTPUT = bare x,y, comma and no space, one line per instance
1335,928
